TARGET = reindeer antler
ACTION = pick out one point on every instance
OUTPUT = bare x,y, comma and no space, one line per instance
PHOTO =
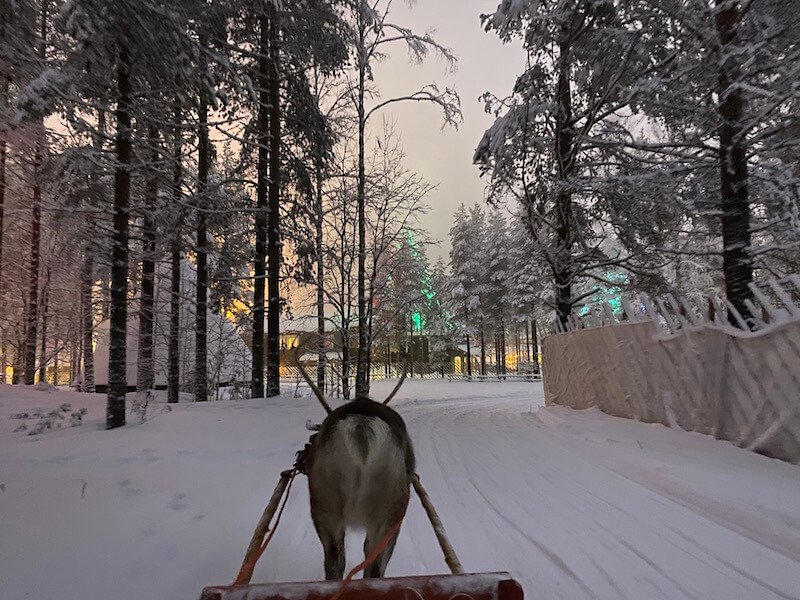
317,392
399,383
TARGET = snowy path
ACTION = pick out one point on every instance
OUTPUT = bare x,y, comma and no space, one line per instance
575,504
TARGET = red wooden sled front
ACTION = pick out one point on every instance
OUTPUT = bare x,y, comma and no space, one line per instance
475,586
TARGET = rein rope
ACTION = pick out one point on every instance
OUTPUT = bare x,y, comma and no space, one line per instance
249,564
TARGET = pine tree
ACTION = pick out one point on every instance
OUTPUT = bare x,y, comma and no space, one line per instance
480,308
726,101
463,277
145,374
556,139
497,282
123,43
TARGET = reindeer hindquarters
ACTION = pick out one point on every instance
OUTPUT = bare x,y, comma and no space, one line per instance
359,475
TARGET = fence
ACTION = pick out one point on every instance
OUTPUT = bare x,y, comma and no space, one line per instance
681,363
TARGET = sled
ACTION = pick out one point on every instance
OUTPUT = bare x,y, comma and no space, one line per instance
458,586
481,586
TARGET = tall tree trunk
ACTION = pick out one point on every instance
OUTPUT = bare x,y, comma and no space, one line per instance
737,257
469,350
261,217
43,345
318,241
497,358
503,348
274,258
565,166
32,321
483,351
173,368
345,374
411,348
55,363
86,346
535,347
362,359
87,320
201,256
33,289
117,351
145,368
527,342
346,300
3,155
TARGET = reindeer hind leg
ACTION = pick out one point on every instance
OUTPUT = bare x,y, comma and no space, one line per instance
375,536
333,546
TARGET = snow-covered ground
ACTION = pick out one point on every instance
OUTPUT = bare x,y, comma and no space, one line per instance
575,504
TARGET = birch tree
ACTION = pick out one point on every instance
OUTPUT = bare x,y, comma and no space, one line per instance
375,31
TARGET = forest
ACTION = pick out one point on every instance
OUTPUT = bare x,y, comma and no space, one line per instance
170,168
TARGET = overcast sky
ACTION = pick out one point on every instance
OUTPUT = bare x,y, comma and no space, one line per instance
444,157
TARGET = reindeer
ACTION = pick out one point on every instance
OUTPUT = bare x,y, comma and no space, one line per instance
360,466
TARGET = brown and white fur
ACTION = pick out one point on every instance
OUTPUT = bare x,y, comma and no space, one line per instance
359,467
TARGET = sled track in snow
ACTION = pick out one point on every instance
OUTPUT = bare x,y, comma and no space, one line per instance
579,505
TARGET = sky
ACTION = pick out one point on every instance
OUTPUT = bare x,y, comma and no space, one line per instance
444,157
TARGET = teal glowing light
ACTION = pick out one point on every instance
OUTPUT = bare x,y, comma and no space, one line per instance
426,289
610,293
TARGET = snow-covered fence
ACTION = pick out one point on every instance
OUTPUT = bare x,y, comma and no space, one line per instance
679,362
776,301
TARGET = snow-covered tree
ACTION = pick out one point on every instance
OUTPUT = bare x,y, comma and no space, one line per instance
497,299
726,101
465,271
526,284
286,134
552,143
471,278
374,33
115,55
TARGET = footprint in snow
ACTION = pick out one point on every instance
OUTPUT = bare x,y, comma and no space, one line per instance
125,486
138,459
149,532
179,502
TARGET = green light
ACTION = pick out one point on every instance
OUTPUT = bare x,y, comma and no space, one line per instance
416,319
610,293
